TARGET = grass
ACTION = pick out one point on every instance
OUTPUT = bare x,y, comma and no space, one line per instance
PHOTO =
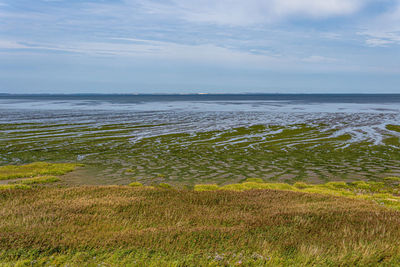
165,186
135,184
255,180
125,226
206,187
13,186
39,180
384,193
35,169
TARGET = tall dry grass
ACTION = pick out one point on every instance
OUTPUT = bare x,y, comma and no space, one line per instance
263,226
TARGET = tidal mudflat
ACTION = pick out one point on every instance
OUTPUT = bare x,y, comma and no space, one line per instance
191,142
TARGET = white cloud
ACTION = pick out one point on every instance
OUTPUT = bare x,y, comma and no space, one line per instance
7,44
318,59
158,51
316,8
87,30
239,12
385,29
378,42
139,48
331,35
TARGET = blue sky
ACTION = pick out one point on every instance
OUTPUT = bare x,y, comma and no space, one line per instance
193,46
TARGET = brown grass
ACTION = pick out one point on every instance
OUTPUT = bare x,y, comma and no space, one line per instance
285,226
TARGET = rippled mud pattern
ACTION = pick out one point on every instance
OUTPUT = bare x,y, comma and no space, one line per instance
205,147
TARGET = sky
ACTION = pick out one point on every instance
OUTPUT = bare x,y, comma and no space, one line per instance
200,46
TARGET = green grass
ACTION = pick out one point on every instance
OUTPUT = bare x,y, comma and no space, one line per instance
256,185
35,169
165,186
255,180
206,187
135,184
125,226
13,186
385,193
301,185
39,180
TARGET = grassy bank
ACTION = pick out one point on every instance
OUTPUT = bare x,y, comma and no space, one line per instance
384,193
122,225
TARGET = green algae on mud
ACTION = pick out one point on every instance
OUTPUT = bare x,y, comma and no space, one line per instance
312,153
392,127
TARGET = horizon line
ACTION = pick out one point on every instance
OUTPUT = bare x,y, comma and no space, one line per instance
182,94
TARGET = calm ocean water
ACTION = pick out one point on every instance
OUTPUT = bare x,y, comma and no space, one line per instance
363,116
207,102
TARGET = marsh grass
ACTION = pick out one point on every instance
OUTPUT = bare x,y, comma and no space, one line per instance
39,180
125,226
255,180
384,193
13,186
135,184
206,187
35,169
165,186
